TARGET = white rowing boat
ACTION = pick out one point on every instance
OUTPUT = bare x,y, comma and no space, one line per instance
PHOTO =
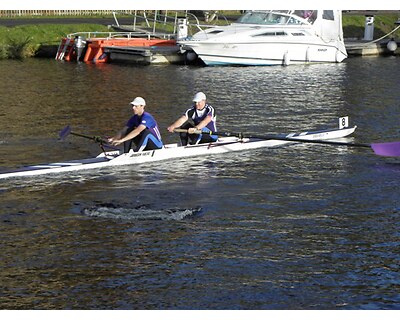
172,151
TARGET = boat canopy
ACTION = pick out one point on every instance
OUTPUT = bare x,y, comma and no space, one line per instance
297,17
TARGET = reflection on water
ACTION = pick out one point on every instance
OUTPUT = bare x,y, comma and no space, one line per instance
299,227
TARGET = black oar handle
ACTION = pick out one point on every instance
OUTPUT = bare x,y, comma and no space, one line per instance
103,143
94,138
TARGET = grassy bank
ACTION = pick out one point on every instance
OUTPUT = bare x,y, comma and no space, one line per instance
26,40
353,26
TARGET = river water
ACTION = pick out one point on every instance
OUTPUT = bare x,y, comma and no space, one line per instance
304,226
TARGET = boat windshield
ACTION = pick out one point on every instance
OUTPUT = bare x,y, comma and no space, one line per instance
278,17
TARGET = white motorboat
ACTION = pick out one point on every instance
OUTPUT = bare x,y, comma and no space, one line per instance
274,37
173,151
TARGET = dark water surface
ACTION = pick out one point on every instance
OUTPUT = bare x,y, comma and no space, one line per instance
300,227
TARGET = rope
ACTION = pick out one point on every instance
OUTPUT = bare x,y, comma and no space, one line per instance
374,41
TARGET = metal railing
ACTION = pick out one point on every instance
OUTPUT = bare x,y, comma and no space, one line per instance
164,21
113,35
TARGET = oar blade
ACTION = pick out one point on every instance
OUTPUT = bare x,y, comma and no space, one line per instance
387,149
64,132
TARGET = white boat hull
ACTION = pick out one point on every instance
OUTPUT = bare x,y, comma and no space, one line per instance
266,54
271,38
172,151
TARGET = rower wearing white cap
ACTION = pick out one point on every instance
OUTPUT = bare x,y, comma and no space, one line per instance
201,116
141,129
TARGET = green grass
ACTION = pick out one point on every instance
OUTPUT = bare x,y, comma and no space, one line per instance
353,26
46,33
24,41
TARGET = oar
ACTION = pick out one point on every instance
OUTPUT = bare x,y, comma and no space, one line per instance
67,130
386,149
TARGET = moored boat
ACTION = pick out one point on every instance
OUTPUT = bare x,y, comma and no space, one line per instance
172,151
274,37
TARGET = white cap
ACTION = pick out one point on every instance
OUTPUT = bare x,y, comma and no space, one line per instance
199,96
138,101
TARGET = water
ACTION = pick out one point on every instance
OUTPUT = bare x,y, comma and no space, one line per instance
301,227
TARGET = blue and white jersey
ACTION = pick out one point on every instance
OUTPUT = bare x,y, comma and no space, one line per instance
199,115
148,121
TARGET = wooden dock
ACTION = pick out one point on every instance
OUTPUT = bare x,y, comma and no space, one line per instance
369,48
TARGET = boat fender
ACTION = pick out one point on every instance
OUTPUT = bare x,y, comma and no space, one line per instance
308,54
286,58
392,45
191,56
337,55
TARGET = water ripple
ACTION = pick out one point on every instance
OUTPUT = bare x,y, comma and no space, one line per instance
142,212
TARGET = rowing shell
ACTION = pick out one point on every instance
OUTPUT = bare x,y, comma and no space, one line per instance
172,151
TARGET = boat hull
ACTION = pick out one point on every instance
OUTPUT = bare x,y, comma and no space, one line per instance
172,151
271,37
265,54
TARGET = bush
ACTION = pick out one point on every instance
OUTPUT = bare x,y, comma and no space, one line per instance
18,48
3,52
